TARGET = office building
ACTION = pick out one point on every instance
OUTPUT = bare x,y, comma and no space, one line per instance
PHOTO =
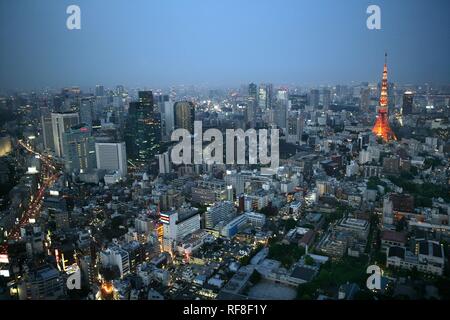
62,122
43,283
164,163
222,211
184,115
47,132
143,132
118,257
407,106
99,90
167,118
79,149
111,156
314,98
86,111
326,99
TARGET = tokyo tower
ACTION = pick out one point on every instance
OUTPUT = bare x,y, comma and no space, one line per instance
381,128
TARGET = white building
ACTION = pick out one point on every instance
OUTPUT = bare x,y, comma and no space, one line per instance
164,163
220,211
112,156
176,226
116,257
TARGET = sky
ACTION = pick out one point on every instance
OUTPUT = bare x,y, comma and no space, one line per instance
221,42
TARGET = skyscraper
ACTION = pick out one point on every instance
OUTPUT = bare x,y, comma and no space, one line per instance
365,99
294,128
164,163
184,115
61,122
326,98
47,132
86,111
265,96
407,106
167,118
79,149
314,98
143,132
99,91
253,90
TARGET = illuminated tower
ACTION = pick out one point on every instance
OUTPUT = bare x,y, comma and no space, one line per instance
381,127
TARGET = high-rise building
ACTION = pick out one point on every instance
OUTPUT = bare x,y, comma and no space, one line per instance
116,256
111,156
326,99
282,94
314,96
365,99
253,90
167,118
223,211
86,111
99,91
298,101
184,115
294,129
178,224
143,130
164,163
407,105
265,93
61,122
280,113
47,132
79,149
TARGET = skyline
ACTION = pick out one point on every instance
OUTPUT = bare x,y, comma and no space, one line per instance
307,43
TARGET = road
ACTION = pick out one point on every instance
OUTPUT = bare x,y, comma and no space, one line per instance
49,174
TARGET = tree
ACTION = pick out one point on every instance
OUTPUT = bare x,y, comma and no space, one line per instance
308,260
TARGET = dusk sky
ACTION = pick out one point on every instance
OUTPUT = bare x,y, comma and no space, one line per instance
221,42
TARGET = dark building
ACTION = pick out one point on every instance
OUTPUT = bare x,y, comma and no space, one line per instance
402,202
314,98
253,90
184,115
407,106
143,130
391,165
298,101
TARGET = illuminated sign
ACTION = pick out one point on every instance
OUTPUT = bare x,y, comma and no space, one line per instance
164,218
4,273
4,258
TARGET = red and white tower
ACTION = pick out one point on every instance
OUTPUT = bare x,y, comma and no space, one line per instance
381,127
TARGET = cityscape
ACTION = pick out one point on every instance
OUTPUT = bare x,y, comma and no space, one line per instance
258,190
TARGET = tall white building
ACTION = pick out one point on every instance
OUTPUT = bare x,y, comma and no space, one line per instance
164,163
167,119
62,122
116,257
112,156
177,225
